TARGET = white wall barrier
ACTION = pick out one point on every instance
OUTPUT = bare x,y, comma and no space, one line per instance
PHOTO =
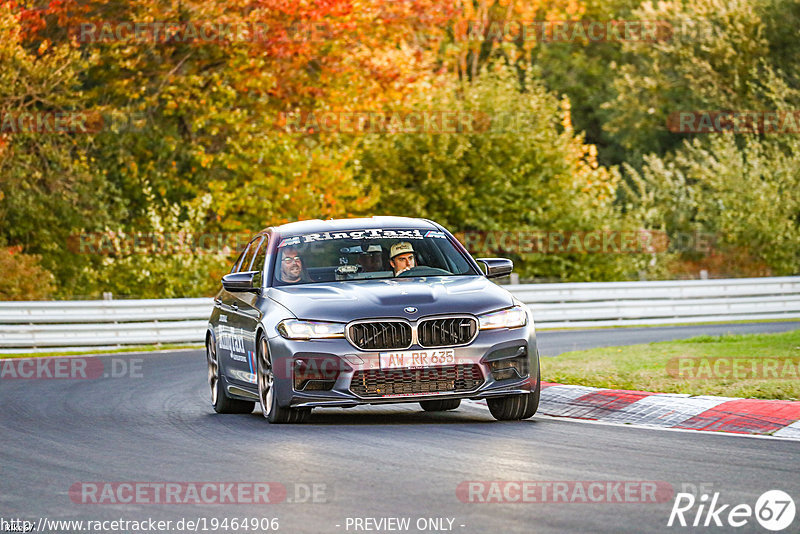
51,325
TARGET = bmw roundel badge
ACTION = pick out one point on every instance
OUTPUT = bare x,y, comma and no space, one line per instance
410,309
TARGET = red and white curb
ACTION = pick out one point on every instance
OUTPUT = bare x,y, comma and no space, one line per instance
777,418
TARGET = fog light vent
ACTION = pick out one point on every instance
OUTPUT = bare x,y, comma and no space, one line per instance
509,368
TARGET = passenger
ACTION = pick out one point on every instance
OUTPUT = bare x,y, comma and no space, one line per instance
371,260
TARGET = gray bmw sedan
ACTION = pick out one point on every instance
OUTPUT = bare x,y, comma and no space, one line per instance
341,313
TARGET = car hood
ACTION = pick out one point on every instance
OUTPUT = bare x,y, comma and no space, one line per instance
360,299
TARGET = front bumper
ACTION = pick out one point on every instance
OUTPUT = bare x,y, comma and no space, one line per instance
489,346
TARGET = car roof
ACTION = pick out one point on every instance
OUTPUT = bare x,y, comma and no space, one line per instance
332,225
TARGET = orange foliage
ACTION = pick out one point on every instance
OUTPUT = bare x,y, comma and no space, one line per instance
488,14
23,278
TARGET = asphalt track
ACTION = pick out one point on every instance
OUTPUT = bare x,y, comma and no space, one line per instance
157,426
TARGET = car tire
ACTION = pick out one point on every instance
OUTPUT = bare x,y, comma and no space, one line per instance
440,405
516,407
265,377
219,397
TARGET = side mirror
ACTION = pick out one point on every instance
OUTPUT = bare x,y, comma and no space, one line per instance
496,267
247,281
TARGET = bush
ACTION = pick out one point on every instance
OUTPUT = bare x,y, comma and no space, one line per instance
23,278
745,196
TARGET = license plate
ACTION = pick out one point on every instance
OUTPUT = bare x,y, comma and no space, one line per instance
410,359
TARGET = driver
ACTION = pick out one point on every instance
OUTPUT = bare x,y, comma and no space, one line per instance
292,269
401,257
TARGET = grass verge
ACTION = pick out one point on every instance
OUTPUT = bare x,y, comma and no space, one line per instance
764,366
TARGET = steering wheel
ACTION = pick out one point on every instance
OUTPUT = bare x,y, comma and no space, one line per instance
422,270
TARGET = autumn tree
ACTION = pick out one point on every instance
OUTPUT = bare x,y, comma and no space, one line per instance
197,117
49,186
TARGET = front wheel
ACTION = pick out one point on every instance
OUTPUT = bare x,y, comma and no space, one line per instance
440,405
219,398
516,407
266,390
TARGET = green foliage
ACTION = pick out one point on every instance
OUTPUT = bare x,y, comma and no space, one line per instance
744,194
180,261
585,73
724,55
537,175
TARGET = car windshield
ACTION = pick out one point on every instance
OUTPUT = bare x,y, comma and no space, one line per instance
366,254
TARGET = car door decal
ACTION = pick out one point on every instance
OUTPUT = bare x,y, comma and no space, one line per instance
251,362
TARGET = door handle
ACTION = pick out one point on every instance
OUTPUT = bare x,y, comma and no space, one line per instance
235,307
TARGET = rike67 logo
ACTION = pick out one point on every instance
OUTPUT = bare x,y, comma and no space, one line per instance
774,510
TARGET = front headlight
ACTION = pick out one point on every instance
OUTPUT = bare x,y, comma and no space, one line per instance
296,329
510,318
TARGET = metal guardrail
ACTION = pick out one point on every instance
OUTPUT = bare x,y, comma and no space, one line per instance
40,326
661,302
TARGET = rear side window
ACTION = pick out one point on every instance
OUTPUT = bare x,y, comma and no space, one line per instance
261,256
247,261
235,268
